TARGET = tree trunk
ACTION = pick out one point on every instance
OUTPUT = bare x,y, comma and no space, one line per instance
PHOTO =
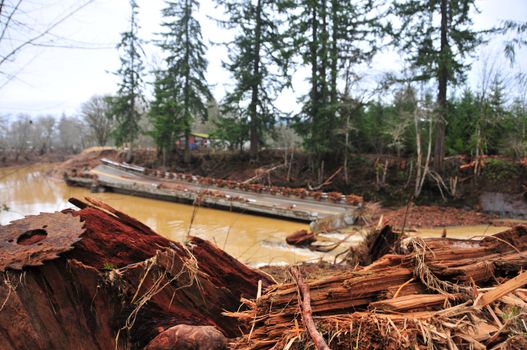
323,78
314,74
334,62
187,113
478,149
130,153
442,78
253,109
421,174
186,154
419,158
75,302
346,150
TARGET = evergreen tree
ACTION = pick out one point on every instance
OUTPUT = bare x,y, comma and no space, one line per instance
126,105
258,62
462,117
164,114
438,48
181,93
232,130
518,41
493,126
330,35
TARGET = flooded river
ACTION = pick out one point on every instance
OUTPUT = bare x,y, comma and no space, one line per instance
252,239
255,240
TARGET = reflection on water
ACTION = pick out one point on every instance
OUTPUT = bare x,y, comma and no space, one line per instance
252,239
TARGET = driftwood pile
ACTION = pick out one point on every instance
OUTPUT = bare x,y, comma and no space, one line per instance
426,294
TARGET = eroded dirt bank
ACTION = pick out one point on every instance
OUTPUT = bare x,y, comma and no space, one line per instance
376,177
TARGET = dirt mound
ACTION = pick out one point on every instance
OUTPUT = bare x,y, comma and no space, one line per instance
433,216
87,159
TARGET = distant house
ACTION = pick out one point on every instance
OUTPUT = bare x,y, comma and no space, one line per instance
195,140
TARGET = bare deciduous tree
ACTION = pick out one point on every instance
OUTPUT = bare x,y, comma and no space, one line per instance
422,114
19,135
44,128
96,112
72,134
18,30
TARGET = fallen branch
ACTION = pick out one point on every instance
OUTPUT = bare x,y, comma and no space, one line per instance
304,301
327,182
261,173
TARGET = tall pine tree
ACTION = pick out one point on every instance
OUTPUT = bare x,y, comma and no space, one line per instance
258,63
438,35
330,35
181,92
126,106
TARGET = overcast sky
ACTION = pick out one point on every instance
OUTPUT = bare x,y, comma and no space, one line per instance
51,80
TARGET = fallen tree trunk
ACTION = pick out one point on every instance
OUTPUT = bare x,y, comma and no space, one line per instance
422,296
120,286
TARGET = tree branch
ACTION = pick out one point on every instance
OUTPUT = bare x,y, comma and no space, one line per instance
304,301
45,32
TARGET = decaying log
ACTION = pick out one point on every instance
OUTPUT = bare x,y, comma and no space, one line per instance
382,243
412,302
435,283
120,286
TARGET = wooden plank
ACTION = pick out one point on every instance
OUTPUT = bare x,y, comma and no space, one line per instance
410,302
504,289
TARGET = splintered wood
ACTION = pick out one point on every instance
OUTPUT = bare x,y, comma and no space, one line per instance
434,293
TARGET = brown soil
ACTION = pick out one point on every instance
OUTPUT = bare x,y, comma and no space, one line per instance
238,167
365,179
433,216
87,159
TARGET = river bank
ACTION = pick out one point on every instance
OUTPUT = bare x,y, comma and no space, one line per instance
417,215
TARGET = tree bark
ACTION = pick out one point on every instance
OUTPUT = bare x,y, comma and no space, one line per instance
442,78
187,116
334,61
253,109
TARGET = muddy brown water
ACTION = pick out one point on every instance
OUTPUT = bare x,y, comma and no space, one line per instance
27,190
